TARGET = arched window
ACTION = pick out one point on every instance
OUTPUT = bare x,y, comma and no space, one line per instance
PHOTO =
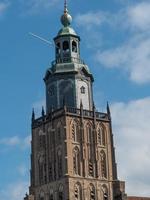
99,136
82,90
89,134
51,197
103,164
60,193
59,137
74,47
76,161
105,192
75,132
42,140
59,162
41,169
41,196
92,192
66,46
91,171
77,192
103,137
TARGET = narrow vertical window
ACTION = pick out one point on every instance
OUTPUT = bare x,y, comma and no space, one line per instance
60,193
74,47
59,159
91,171
75,132
103,137
99,136
103,164
77,192
76,161
92,192
82,89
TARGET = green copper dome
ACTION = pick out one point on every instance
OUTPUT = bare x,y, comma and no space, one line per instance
67,31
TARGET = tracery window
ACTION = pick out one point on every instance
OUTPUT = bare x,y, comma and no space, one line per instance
60,193
92,192
90,134
51,194
105,192
77,192
101,136
59,160
103,164
91,171
76,161
75,132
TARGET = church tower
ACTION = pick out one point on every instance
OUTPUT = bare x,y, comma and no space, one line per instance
72,154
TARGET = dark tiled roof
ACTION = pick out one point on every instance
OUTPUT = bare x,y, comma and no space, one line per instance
138,198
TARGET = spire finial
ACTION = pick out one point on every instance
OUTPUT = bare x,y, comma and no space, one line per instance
66,18
65,6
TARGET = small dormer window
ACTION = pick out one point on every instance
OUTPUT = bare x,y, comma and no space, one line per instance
65,46
82,90
74,47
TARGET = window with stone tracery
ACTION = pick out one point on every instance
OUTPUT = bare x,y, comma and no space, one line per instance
75,132
51,196
91,171
90,134
103,164
60,193
76,161
92,192
101,136
59,163
77,192
105,192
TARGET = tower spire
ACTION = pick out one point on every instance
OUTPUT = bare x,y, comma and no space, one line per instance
65,6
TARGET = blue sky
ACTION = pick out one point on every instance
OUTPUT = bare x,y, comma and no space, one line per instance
115,41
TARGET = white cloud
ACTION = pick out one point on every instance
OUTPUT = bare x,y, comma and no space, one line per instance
139,16
132,55
90,19
14,191
3,7
131,128
16,141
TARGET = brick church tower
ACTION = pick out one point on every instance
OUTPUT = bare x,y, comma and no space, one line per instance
72,154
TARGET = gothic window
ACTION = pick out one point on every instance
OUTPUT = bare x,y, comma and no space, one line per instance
74,47
41,169
82,90
99,136
90,134
103,164
76,161
75,132
42,140
77,192
41,197
103,137
59,135
60,193
91,171
65,46
105,192
51,195
59,160
92,192
50,172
